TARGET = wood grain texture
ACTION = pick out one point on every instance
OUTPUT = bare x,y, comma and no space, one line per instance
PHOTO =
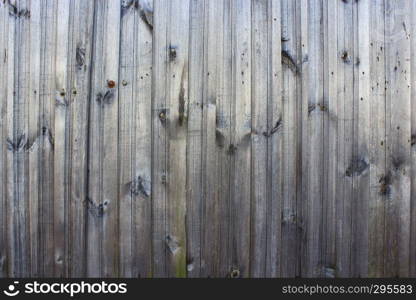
207,138
81,47
194,135
3,146
159,143
398,138
142,139
176,122
412,262
285,126
330,195
102,201
345,132
274,242
240,147
379,182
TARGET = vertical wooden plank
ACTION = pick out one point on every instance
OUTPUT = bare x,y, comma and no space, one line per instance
9,136
18,51
361,144
110,142
212,237
33,146
194,190
177,101
313,145
303,23
217,139
413,140
103,178
345,134
288,124
47,100
78,94
259,137
21,118
379,179
399,138
213,139
3,136
10,25
275,145
142,135
330,137
61,144
351,162
240,147
128,184
93,201
159,115
135,92
224,123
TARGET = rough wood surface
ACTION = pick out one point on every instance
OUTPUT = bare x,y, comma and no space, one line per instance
207,138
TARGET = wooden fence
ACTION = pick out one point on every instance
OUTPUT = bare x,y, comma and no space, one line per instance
207,138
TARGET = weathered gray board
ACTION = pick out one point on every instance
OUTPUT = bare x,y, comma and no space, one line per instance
208,138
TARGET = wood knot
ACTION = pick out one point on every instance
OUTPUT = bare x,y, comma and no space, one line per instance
96,210
47,133
17,145
385,184
235,273
59,259
60,99
80,57
275,128
345,57
127,4
322,107
140,186
288,217
413,140
107,98
397,163
173,244
190,267
311,108
145,11
356,167
232,149
146,14
162,116
219,139
329,272
190,264
15,12
172,52
289,61
163,179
